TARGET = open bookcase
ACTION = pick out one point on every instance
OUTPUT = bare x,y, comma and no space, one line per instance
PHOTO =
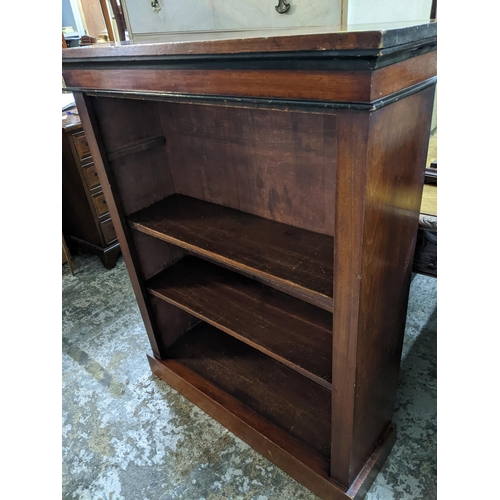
269,230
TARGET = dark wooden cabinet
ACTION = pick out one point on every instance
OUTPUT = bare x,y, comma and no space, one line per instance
86,223
266,193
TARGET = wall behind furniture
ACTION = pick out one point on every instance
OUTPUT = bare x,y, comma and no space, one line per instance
387,11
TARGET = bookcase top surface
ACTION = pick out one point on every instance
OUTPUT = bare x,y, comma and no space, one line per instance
361,38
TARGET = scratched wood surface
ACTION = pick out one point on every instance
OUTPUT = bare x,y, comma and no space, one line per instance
287,329
287,399
368,36
287,258
275,164
379,195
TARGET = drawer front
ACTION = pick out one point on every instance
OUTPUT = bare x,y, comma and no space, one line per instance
215,15
81,146
91,178
108,231
100,204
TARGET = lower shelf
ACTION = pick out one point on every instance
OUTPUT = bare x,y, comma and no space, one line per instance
290,401
281,414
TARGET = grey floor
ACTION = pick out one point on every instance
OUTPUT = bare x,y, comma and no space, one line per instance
127,435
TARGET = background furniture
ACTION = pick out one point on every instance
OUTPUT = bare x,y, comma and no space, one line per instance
86,221
266,194
66,256
157,20
425,259
92,19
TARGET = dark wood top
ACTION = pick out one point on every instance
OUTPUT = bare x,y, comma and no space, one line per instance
316,39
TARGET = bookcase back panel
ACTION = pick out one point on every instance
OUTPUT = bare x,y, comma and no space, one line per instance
170,323
154,255
134,147
275,164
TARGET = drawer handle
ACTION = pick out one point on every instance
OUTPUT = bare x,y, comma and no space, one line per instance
155,5
282,7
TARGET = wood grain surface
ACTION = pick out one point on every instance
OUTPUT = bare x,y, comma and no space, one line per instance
276,164
397,151
343,86
287,329
291,455
259,382
289,259
320,39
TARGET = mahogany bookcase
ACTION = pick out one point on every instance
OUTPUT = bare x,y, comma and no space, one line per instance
265,189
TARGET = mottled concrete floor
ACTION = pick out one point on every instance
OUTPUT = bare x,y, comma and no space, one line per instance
127,435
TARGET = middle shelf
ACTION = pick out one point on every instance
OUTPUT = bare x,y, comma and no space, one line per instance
293,332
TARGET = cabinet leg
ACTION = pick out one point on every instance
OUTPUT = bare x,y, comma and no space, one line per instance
67,255
110,257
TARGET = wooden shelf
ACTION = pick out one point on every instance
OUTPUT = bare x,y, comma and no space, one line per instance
289,259
293,332
267,387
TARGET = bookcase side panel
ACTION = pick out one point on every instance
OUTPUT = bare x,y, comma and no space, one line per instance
352,140
397,150
380,174
163,323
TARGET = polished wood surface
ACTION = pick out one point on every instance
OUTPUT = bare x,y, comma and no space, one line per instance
259,382
271,240
297,459
256,152
287,258
393,78
307,39
351,180
340,87
247,310
340,67
391,188
335,86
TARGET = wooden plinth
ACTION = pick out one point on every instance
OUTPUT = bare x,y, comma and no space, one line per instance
292,456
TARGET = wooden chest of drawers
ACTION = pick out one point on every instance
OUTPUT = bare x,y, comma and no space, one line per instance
86,222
